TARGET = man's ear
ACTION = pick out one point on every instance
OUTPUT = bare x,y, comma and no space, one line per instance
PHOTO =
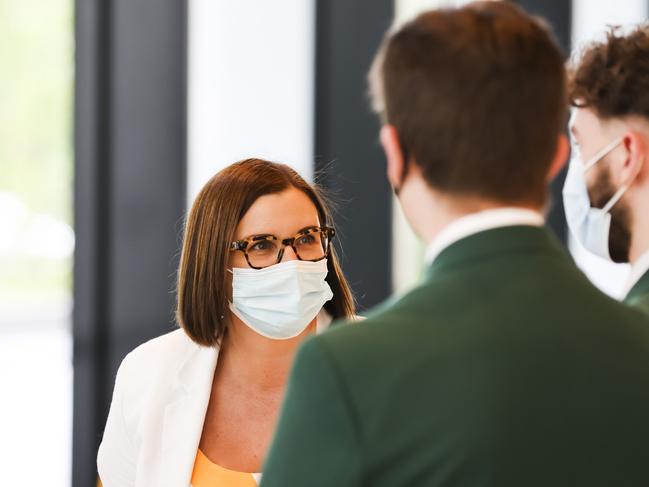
634,164
394,155
560,157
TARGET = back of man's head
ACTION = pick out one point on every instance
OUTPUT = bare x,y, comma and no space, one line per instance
612,77
477,97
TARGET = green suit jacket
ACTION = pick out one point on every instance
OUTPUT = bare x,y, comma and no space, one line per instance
639,294
505,368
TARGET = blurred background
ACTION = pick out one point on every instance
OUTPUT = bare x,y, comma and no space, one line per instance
114,113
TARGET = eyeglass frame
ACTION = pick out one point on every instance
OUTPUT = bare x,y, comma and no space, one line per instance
243,244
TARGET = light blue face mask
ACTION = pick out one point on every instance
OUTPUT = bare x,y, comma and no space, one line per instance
280,301
590,226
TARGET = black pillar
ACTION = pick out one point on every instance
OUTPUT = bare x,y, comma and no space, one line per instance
130,145
348,156
559,15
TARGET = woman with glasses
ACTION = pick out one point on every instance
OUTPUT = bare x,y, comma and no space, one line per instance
257,275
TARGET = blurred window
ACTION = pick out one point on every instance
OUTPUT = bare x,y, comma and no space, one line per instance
36,240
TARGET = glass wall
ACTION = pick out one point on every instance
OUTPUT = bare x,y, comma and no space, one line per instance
36,241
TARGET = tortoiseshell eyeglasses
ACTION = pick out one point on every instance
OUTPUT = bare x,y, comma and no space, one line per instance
311,244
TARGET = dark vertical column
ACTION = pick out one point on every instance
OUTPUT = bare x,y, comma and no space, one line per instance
130,145
559,14
91,209
349,160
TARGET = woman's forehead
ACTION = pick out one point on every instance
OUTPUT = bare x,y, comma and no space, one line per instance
281,214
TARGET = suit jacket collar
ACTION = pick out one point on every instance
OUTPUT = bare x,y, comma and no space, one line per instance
639,291
478,222
496,242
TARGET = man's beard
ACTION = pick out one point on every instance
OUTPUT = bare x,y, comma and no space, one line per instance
619,240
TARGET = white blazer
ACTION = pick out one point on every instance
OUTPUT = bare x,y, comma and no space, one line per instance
155,422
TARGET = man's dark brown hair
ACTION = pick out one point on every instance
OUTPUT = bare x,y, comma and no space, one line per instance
612,77
478,98
203,285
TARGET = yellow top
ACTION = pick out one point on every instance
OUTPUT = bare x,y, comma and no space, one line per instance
208,474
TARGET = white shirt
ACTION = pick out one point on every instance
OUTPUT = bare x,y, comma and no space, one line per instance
479,222
639,269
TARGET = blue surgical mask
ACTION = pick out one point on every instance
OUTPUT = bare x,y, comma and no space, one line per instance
590,226
280,301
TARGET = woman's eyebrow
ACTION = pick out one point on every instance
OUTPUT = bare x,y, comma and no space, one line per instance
264,235
258,236
307,228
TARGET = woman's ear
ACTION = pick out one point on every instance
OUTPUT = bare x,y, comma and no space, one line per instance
394,155
560,157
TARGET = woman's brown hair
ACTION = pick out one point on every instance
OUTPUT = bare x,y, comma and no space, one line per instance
202,307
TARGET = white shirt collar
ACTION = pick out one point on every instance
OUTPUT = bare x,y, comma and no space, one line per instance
479,222
639,269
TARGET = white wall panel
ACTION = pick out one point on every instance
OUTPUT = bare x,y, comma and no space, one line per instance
251,65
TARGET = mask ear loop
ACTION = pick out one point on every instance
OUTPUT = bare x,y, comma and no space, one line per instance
229,302
616,197
601,154
598,157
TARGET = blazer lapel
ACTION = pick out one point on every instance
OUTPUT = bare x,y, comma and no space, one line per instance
184,417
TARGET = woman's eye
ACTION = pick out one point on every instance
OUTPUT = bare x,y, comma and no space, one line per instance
259,246
306,240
